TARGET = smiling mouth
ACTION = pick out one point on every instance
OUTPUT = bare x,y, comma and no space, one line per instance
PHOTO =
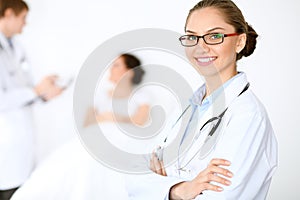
207,59
204,61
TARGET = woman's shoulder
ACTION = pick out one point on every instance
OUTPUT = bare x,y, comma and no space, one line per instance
248,104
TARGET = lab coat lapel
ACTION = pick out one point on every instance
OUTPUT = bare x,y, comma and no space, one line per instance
195,141
5,45
13,65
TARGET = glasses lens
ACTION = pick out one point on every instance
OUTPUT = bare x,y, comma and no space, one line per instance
214,38
188,40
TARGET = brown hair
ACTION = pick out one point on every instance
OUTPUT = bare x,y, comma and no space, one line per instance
16,5
234,17
134,63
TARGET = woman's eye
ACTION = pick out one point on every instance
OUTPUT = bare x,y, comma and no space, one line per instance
215,36
192,37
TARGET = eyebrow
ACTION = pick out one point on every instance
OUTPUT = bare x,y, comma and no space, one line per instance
210,30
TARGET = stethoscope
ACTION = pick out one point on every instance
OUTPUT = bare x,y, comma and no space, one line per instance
205,149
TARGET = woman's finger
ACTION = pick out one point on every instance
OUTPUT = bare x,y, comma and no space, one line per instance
218,179
218,161
164,173
209,186
157,165
219,170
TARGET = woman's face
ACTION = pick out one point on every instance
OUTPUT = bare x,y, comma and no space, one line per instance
213,60
119,71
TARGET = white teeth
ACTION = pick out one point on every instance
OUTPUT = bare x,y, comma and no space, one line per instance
205,59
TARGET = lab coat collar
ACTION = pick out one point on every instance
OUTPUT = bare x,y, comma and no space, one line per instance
227,92
4,42
216,104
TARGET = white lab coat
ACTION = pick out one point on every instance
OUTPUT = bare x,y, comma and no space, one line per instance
245,137
16,130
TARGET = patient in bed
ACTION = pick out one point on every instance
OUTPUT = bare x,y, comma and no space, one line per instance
70,173
114,103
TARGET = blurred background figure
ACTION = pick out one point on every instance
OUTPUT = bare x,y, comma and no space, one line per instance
70,172
114,103
17,95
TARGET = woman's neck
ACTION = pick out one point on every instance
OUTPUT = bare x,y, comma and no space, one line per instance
122,90
212,83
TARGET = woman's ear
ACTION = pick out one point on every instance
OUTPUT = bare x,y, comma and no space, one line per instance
241,43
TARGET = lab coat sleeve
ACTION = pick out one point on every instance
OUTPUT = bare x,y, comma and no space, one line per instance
16,98
249,143
150,186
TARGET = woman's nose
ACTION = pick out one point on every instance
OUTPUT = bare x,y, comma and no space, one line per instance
202,46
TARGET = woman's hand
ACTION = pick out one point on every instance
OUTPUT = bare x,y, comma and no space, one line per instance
106,116
92,117
157,166
191,189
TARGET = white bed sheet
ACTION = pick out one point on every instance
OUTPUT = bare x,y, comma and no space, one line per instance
70,173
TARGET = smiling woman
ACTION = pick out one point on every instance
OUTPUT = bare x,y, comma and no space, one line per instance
218,163
216,59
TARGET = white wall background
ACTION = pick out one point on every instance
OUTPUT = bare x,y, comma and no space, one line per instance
61,34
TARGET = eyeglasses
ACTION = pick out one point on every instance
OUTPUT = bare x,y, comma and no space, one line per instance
210,39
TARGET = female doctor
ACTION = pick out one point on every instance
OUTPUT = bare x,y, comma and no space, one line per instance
227,120
17,94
